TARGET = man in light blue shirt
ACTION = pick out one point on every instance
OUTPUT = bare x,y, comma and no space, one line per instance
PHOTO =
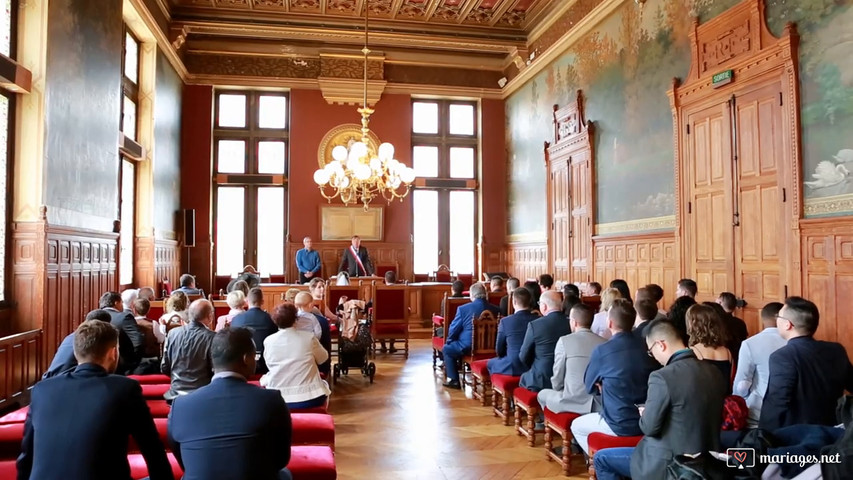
307,262
753,369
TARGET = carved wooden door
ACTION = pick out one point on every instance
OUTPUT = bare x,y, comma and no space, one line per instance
760,244
709,209
561,203
581,204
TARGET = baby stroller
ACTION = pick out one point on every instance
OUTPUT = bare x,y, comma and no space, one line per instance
354,342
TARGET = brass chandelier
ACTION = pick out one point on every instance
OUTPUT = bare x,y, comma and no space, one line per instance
358,173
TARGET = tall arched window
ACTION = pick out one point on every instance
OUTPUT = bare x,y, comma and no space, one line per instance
7,128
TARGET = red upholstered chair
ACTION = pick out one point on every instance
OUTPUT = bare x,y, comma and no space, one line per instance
526,401
481,384
599,441
561,424
9,469
502,388
313,429
467,279
438,341
443,274
322,409
382,269
17,416
220,282
312,463
421,277
151,379
11,436
391,314
162,425
495,298
159,408
334,294
593,302
165,285
139,469
484,335
155,391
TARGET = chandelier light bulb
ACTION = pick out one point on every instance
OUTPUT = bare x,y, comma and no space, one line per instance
386,151
321,176
339,153
407,175
375,164
359,149
344,182
362,172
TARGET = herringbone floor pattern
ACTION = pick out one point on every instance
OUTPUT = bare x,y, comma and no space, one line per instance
407,426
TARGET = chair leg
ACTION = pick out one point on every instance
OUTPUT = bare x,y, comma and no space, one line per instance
518,419
406,355
567,452
506,410
486,387
531,425
590,469
548,442
496,399
474,382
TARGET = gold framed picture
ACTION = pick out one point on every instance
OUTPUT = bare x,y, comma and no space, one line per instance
341,223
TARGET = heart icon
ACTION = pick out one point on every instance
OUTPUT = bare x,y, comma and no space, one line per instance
740,456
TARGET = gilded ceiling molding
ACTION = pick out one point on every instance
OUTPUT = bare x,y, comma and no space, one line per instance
138,7
543,59
549,21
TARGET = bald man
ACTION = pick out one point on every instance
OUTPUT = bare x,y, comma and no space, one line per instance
310,320
537,350
186,355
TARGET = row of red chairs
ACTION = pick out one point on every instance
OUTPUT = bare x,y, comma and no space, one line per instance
311,455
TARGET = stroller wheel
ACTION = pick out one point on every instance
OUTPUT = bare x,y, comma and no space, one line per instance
337,372
371,371
345,370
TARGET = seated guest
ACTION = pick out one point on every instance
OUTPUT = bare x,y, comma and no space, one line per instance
540,340
546,282
236,301
64,359
308,261
652,293
290,294
678,315
708,339
317,289
511,284
622,286
655,292
647,310
186,355
240,285
292,357
151,348
593,289
127,298
753,367
251,436
174,314
147,293
456,289
259,321
686,288
511,331
131,342
571,356
571,297
496,284
735,327
599,321
807,376
305,318
535,292
249,276
460,332
682,415
619,371
188,285
79,423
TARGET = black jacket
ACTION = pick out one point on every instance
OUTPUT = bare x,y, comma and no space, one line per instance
349,265
261,325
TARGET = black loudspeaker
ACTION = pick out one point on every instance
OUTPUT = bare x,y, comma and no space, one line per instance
189,227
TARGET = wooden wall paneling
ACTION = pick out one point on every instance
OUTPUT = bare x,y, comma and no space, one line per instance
144,270
21,366
571,181
639,260
167,264
527,260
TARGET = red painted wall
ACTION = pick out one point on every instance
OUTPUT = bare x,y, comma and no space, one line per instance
311,117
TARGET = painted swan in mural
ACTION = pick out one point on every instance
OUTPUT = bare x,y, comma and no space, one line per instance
828,174
844,156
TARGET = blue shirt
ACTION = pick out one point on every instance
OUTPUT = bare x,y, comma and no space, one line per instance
622,366
308,261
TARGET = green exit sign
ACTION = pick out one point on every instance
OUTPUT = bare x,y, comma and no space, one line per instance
722,78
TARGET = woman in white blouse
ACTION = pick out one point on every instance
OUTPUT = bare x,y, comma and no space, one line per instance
292,357
599,321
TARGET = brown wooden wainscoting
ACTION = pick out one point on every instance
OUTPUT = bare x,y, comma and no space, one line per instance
827,275
381,253
528,260
20,366
167,264
494,258
638,259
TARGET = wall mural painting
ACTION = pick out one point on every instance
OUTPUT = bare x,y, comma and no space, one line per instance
626,64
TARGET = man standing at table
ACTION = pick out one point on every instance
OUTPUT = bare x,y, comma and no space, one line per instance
308,262
356,261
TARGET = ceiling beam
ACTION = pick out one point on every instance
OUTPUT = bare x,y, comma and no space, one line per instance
430,9
466,9
501,9
323,4
396,5
359,6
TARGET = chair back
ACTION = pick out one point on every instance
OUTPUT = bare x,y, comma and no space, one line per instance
484,336
467,279
277,279
220,282
192,298
495,298
166,286
390,312
421,277
593,302
156,310
450,304
443,274
335,292
383,268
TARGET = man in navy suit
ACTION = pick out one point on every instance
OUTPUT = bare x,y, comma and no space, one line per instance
79,423
460,336
258,321
131,342
230,429
807,376
64,359
540,340
511,331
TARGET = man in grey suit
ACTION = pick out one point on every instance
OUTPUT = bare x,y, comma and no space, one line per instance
568,392
540,340
682,414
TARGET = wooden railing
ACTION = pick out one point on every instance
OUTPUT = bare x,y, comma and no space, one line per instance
20,366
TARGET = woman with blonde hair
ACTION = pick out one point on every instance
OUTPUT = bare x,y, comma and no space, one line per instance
599,321
174,315
708,337
236,301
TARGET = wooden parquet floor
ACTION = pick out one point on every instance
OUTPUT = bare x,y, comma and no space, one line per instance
407,426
